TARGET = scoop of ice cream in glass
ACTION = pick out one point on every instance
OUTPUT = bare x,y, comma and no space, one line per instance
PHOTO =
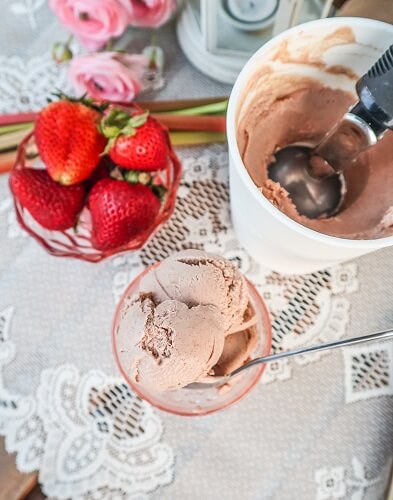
185,321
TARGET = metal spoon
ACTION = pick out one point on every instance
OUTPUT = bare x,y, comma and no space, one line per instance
311,175
211,380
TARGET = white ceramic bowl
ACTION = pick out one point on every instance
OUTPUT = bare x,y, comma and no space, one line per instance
271,237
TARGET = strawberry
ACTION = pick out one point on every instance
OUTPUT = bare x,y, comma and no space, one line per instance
136,142
54,206
120,211
68,139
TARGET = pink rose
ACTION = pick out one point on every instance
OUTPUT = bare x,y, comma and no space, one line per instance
151,13
94,22
108,76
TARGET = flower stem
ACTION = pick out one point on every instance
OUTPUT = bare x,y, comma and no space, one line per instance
12,140
6,129
217,107
195,138
206,123
7,161
153,39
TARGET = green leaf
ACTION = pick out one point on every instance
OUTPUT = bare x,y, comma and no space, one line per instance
112,114
116,118
128,131
111,131
119,122
61,52
131,176
138,120
122,115
108,146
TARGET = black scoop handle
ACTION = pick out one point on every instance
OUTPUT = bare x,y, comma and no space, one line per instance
375,91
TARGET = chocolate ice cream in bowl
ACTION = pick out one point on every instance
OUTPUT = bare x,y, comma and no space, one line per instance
293,91
184,322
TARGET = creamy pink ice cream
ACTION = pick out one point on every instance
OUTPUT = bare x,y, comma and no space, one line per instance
174,344
191,319
194,277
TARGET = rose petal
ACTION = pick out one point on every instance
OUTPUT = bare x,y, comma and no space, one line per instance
108,75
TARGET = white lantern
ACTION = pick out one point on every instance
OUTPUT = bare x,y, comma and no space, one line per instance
218,36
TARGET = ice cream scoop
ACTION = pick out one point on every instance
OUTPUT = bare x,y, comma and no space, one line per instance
311,175
169,345
191,317
197,278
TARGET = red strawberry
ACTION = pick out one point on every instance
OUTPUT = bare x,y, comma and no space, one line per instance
54,206
136,142
68,140
120,211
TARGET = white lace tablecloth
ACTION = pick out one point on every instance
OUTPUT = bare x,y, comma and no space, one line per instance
318,427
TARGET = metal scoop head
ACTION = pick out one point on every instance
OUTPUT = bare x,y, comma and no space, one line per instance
312,176
313,196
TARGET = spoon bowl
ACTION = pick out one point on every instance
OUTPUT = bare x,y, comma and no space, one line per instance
313,196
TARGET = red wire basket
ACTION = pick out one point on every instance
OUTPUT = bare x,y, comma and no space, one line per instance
76,242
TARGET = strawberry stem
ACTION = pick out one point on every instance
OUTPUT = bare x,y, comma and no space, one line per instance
144,178
131,176
159,191
135,176
116,174
118,122
87,101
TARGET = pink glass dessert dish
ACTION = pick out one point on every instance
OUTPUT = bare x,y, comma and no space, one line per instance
76,242
183,322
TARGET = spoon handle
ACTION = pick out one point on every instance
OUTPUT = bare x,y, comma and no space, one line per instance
383,334
375,91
